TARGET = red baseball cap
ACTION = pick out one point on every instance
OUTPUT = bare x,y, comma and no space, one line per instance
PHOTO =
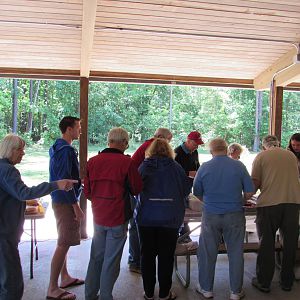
196,137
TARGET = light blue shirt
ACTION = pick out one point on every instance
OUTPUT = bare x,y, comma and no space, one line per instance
220,183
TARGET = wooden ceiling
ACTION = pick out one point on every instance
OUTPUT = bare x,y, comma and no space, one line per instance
228,42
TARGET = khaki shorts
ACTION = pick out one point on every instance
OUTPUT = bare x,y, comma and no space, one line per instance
68,229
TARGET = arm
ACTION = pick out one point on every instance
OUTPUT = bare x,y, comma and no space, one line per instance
134,179
256,173
256,183
13,184
79,215
87,187
198,186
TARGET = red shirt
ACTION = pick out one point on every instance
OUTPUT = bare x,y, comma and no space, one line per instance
109,174
139,154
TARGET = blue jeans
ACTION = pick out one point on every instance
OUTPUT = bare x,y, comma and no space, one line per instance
134,257
11,276
232,227
104,266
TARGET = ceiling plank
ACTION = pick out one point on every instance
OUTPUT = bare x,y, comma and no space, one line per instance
87,36
263,80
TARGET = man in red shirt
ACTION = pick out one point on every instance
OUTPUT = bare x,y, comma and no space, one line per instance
111,177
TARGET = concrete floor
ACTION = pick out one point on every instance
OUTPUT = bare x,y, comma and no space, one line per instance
129,285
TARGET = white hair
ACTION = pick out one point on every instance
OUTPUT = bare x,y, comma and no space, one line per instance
117,135
270,141
235,147
9,143
163,133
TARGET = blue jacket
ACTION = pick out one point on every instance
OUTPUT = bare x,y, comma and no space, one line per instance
165,185
13,193
64,165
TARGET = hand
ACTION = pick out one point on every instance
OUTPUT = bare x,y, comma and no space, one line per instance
79,215
66,184
249,204
192,174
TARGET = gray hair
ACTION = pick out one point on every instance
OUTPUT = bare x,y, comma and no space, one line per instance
218,145
9,143
235,147
163,133
117,135
270,141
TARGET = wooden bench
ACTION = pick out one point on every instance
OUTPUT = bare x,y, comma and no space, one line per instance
249,247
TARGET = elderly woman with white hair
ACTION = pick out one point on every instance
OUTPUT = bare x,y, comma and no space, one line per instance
235,150
13,193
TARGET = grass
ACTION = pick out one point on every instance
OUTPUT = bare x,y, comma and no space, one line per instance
34,167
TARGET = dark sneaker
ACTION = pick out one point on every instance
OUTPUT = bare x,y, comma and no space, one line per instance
259,286
285,288
135,269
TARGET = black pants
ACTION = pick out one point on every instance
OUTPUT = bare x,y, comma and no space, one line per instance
269,219
160,242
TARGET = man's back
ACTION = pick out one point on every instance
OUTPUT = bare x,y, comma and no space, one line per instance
221,181
276,170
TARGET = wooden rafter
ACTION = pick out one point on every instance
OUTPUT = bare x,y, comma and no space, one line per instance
87,35
283,69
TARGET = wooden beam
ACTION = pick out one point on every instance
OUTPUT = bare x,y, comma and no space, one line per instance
87,35
290,75
276,99
264,79
83,144
159,78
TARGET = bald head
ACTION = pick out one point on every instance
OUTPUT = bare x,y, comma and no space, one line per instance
218,146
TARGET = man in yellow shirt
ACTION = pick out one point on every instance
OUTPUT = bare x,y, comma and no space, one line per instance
275,173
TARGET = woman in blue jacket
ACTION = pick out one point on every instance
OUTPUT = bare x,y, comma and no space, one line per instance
160,213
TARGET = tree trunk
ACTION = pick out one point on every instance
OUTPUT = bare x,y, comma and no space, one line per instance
258,120
29,122
15,106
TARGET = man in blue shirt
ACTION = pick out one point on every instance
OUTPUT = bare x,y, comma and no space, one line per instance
223,184
68,214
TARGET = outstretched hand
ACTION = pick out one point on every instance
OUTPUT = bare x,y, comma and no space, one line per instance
66,184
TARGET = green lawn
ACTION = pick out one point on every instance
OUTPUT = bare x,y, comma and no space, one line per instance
35,164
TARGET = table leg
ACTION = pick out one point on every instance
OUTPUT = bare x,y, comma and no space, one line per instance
35,241
31,247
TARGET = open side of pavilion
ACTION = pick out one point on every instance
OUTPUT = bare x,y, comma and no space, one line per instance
233,43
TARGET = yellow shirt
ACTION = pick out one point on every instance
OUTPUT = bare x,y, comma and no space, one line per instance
277,171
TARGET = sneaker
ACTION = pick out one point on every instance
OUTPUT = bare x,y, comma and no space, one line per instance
285,288
171,296
237,296
259,286
205,294
135,269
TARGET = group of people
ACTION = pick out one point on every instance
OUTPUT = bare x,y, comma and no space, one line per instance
148,192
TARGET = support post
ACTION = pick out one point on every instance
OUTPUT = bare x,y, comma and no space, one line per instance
258,117
83,143
276,98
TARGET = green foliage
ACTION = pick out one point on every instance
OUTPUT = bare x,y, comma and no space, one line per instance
141,108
